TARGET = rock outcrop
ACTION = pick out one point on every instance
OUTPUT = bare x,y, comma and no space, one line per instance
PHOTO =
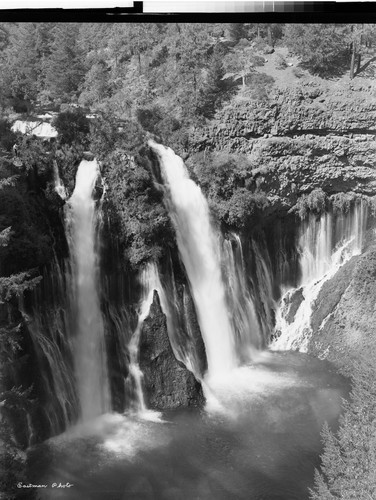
168,384
306,137
344,318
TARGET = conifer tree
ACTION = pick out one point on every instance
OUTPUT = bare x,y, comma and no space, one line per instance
65,69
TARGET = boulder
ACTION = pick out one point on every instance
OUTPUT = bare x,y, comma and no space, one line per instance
168,384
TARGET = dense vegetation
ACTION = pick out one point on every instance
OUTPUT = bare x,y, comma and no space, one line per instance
121,68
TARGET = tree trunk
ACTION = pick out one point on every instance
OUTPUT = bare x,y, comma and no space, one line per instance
270,37
352,64
358,63
139,62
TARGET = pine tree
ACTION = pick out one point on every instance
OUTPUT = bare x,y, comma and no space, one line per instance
65,69
320,46
21,65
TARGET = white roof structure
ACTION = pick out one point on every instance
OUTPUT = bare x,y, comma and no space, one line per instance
40,129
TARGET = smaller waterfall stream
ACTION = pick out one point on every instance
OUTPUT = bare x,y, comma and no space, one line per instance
59,186
244,318
325,244
89,353
149,281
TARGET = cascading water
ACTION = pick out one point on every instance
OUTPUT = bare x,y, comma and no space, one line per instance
199,250
59,186
244,319
149,281
89,350
48,323
325,245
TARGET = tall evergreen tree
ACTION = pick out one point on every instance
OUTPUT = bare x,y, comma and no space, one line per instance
21,65
65,68
320,46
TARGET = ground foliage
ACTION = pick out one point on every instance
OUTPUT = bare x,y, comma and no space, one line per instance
228,184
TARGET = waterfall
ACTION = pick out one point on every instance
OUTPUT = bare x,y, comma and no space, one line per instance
244,318
325,245
149,282
59,186
89,351
198,245
48,324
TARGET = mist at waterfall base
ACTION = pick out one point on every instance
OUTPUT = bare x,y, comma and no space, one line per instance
259,435
265,445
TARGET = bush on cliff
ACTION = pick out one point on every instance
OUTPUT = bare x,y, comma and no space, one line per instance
220,174
227,181
242,209
7,137
136,209
341,202
108,134
314,202
72,126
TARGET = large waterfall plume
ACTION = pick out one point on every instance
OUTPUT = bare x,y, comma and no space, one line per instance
198,245
89,349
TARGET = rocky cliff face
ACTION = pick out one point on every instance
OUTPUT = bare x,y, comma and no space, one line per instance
303,138
344,318
167,382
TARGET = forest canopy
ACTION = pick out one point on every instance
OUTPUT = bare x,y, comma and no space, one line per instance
120,68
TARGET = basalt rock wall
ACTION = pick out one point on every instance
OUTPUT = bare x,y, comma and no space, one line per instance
302,138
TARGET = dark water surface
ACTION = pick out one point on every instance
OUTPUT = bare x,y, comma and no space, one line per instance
260,442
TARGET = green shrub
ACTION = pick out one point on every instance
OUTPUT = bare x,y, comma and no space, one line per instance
136,209
220,174
259,86
7,137
280,62
243,207
372,205
72,126
149,118
314,202
341,202
298,72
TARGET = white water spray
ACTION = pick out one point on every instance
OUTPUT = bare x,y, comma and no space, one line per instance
199,249
90,352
